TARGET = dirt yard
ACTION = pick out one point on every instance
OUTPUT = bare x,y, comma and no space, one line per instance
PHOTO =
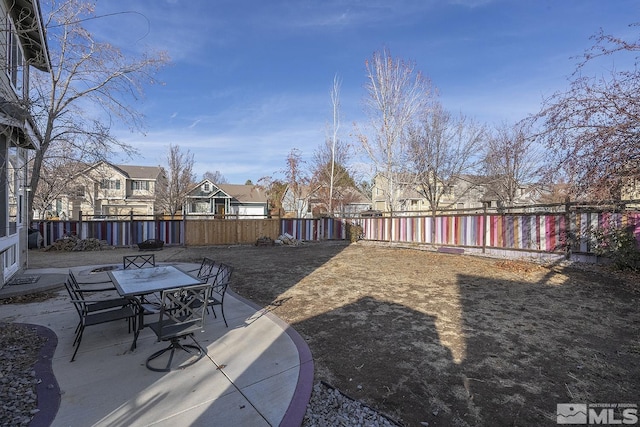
448,340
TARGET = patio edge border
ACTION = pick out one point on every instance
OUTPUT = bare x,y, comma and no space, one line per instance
48,390
294,415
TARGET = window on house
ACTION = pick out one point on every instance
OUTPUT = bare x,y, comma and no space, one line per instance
78,191
205,187
140,185
15,59
110,184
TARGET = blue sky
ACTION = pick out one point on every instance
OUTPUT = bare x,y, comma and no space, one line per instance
250,80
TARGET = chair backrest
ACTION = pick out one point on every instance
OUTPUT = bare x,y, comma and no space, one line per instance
183,311
206,268
220,281
76,297
75,287
73,280
138,261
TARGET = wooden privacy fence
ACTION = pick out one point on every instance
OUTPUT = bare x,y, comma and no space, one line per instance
195,232
538,232
229,231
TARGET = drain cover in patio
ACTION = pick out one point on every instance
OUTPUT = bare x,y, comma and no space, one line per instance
24,280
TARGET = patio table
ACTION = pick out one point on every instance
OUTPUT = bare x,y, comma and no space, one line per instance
142,281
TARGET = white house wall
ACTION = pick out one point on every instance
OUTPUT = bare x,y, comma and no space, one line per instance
13,238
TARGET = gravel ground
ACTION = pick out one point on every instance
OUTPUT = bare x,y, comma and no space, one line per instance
19,348
330,407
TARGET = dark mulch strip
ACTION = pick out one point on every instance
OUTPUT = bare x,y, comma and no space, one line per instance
48,389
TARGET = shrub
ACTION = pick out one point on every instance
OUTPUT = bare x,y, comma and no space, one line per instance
617,244
355,233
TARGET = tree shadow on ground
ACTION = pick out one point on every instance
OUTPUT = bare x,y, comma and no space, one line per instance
393,353
531,346
501,352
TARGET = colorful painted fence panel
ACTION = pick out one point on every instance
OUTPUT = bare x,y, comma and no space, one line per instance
530,232
315,229
582,223
115,233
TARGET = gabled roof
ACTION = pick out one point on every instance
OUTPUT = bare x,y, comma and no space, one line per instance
129,171
140,172
237,192
245,193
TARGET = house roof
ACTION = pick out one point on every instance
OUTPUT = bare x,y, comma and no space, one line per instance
129,171
140,172
241,193
244,193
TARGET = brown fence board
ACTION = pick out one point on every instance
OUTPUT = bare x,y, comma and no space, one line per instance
228,231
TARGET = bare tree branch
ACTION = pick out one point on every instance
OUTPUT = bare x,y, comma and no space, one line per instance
591,129
443,147
91,85
180,179
397,94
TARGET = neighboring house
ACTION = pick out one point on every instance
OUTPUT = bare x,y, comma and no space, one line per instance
466,192
24,47
104,190
226,201
630,191
297,204
310,203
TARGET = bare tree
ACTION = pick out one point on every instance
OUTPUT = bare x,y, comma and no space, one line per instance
274,189
180,179
331,198
591,129
56,180
511,161
85,74
297,181
215,177
397,94
443,147
335,104
331,175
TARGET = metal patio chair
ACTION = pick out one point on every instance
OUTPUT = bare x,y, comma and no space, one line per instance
105,285
219,282
150,303
97,311
181,315
99,302
138,261
208,267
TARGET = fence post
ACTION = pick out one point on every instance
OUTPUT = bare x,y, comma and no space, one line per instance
184,223
80,225
45,233
132,241
567,232
484,227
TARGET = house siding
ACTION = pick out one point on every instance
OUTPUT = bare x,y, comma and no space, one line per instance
19,135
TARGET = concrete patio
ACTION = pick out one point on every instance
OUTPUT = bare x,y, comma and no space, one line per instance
257,372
